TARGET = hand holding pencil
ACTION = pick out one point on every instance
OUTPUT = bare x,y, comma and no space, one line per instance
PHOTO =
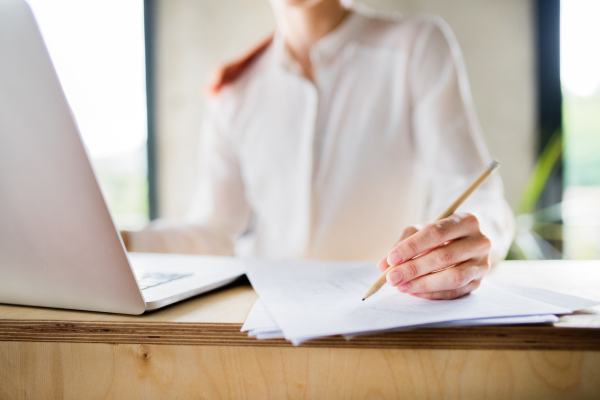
445,260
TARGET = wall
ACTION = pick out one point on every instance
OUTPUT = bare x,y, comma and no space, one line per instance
194,36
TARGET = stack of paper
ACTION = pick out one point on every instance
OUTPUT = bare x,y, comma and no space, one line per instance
303,300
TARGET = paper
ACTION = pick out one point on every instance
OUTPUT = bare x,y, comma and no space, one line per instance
573,303
259,318
309,299
270,335
527,319
261,325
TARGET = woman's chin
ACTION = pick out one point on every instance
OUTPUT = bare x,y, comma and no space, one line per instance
299,3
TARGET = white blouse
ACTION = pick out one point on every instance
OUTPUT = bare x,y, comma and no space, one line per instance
385,137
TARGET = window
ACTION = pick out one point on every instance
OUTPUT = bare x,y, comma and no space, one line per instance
580,78
97,48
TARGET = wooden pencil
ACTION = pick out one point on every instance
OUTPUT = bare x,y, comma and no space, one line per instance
378,284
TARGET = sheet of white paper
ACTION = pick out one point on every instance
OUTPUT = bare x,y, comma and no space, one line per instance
527,319
573,303
310,299
259,318
270,335
267,329
262,333
260,324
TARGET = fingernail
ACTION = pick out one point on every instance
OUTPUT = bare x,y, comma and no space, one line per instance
404,287
394,277
395,258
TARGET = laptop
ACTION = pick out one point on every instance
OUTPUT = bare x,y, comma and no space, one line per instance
59,246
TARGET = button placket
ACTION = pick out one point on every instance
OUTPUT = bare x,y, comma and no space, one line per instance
309,157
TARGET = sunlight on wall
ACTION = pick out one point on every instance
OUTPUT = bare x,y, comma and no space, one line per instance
97,48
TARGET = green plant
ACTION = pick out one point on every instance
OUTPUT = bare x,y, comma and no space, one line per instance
536,228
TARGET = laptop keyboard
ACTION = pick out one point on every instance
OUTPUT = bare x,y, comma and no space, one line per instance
151,279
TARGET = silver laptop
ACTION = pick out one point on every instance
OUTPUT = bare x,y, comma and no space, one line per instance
58,244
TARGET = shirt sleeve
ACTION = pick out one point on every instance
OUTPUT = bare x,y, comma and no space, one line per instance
448,136
219,214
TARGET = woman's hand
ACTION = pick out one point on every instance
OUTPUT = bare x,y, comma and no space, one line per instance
453,259
126,240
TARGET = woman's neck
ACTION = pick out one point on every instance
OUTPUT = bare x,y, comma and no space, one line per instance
305,25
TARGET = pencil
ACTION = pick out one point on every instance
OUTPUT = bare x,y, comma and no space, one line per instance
378,284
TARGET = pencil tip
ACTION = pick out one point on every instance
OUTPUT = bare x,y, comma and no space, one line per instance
363,299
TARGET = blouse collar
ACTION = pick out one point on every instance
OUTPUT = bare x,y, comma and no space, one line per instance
327,46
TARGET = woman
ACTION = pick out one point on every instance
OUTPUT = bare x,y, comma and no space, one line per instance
327,141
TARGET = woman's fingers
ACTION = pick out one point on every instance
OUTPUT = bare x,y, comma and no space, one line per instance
382,265
439,258
408,231
444,260
447,280
450,294
433,235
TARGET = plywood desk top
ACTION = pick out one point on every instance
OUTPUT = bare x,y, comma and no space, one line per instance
216,319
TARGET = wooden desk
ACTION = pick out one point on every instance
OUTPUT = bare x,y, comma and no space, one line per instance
194,350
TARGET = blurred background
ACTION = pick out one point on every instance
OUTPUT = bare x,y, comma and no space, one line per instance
98,51
134,73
